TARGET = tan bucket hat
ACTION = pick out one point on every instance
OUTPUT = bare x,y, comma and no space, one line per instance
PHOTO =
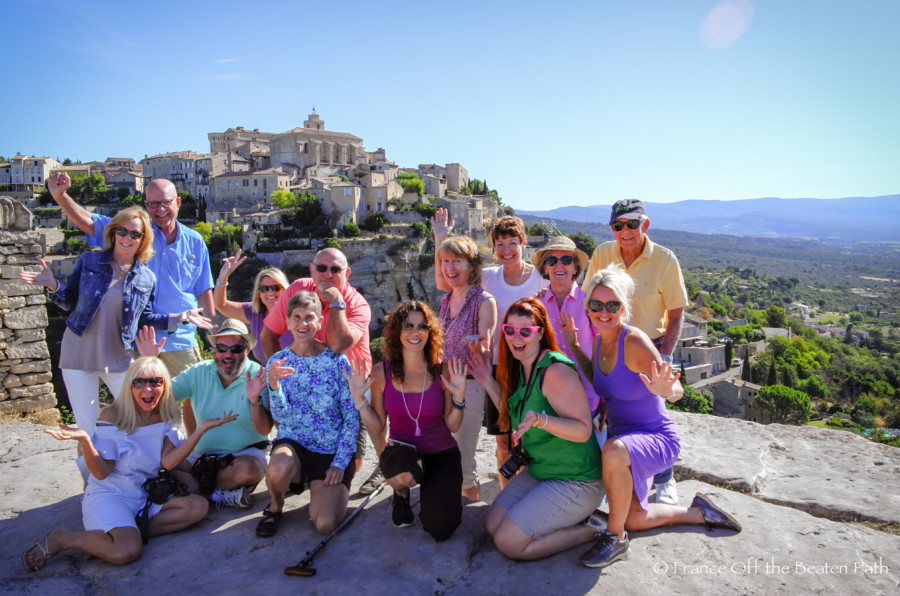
560,243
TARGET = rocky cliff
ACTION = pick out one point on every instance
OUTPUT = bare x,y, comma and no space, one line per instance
811,502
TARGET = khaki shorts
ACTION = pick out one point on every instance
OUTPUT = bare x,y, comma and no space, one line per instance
179,361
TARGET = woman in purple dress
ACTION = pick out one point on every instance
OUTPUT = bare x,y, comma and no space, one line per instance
629,374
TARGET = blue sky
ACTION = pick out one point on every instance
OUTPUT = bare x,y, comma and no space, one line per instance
567,103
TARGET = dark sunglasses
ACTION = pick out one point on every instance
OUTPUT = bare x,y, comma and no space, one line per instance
612,306
323,268
407,326
264,289
222,348
631,224
120,231
140,383
566,260
153,205
524,332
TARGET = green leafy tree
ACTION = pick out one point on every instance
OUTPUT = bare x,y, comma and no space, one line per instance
375,221
419,229
332,243
398,204
205,230
693,401
350,230
773,375
783,404
584,242
729,352
775,317
284,199
86,188
426,210
745,369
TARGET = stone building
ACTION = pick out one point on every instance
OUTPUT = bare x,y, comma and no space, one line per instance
166,165
239,140
734,399
24,358
27,175
313,144
454,174
250,187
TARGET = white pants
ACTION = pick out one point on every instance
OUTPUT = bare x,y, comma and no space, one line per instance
84,390
467,435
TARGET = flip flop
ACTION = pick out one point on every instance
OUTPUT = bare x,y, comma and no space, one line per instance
38,562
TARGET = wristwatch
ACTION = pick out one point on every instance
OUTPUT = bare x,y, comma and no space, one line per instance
338,304
667,358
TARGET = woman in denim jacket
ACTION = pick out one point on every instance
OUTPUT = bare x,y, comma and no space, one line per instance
110,293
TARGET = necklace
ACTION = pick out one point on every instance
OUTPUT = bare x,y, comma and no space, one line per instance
605,353
421,401
122,270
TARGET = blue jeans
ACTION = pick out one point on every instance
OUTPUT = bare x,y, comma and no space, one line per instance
664,476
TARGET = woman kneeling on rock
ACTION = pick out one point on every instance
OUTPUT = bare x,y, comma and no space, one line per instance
310,402
134,437
421,449
629,374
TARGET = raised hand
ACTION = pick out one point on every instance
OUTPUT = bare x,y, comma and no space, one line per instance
146,342
42,278
229,264
58,183
209,423
195,317
357,380
276,372
254,384
568,328
441,224
66,433
661,379
454,378
479,363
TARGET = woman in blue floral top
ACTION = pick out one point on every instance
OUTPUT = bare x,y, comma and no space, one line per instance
310,401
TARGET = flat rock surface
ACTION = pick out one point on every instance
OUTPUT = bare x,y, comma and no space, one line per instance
829,473
782,548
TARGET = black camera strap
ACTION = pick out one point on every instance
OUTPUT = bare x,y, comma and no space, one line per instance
521,409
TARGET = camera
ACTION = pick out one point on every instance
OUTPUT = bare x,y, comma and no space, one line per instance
518,457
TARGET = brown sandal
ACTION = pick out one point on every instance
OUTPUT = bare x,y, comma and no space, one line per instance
39,561
268,525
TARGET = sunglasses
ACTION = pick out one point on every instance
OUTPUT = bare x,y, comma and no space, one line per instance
222,348
140,383
120,231
612,306
524,332
407,326
323,268
566,260
631,224
151,205
264,289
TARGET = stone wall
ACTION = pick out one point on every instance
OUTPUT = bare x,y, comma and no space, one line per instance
24,358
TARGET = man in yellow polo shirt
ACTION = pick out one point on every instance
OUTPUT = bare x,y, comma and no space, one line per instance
660,296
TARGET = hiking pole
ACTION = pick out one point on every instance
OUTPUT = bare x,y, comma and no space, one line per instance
303,569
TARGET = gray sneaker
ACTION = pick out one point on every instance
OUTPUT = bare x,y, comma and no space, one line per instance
713,516
606,550
239,497
598,520
374,481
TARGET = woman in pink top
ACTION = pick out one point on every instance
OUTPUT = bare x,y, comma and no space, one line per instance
424,407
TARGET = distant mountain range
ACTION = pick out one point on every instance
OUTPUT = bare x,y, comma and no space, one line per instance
835,221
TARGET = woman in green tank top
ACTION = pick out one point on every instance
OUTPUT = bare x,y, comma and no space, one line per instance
541,398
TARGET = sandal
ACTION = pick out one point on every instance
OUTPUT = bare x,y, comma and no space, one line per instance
39,561
268,525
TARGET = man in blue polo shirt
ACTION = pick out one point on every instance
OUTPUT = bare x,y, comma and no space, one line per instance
180,262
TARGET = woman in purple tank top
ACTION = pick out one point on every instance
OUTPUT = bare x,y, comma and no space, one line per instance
629,374
424,407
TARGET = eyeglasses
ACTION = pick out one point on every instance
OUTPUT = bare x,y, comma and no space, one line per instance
407,326
631,224
263,289
222,348
323,268
566,260
120,231
612,306
140,383
524,332
152,205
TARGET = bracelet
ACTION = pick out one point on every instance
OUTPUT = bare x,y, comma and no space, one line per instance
359,406
458,405
671,393
546,420
221,283
255,403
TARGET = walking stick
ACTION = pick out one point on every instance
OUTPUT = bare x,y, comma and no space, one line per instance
303,569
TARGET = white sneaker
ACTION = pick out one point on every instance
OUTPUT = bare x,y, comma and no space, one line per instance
667,492
239,497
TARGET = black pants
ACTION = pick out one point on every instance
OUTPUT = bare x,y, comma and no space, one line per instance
440,502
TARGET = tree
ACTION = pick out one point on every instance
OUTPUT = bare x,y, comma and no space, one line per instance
693,401
745,370
729,352
284,199
775,316
86,188
350,230
584,242
332,243
783,404
375,221
398,204
419,229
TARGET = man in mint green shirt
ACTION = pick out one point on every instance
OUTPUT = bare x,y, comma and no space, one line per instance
227,463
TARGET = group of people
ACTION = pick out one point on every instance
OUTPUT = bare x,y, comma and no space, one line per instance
574,395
